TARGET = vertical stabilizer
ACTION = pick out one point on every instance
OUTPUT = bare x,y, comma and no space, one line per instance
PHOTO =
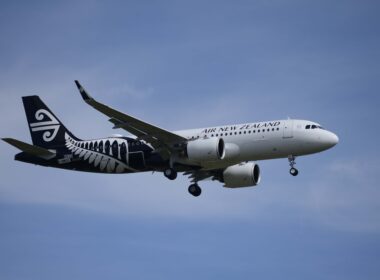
45,128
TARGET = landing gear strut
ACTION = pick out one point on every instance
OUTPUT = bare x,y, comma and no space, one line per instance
195,190
292,161
170,173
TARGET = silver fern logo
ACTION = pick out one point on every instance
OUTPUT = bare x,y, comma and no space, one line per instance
48,123
98,156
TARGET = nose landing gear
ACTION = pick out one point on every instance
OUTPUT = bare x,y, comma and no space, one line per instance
292,161
293,171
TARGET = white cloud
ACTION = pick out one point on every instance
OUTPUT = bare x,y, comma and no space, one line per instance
355,168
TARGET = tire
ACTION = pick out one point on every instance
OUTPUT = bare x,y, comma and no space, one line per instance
293,171
195,190
170,173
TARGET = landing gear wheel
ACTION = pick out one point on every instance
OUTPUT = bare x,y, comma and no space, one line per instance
195,190
170,173
293,171
292,161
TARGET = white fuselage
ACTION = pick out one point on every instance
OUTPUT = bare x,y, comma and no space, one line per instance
220,153
265,140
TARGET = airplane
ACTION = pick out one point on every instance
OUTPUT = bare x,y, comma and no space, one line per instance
227,154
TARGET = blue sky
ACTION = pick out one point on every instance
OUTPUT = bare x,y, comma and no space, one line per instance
182,65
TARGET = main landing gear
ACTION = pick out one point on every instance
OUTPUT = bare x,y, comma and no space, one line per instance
195,190
170,173
292,161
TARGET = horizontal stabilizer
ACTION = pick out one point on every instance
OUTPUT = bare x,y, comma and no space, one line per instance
30,149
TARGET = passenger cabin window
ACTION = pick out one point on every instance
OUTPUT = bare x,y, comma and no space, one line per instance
107,147
123,152
115,148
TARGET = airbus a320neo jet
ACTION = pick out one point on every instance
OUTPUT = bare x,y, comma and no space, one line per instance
224,153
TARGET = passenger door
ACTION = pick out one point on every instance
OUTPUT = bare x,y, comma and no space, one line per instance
288,129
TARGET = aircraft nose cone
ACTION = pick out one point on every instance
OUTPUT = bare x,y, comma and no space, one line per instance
336,139
332,139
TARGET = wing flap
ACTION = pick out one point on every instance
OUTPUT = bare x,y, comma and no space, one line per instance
199,175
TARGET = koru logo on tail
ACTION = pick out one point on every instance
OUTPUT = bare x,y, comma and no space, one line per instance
50,125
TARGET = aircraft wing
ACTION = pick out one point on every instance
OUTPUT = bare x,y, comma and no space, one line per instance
30,149
157,137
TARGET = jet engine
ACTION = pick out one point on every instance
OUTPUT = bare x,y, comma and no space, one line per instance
205,150
241,175
232,151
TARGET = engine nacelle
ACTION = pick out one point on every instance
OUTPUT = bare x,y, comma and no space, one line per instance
241,175
205,150
232,151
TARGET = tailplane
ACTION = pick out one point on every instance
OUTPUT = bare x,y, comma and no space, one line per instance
45,128
30,149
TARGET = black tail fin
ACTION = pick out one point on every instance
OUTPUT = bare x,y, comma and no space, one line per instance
45,128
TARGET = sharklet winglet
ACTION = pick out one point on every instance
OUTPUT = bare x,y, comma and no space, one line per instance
86,97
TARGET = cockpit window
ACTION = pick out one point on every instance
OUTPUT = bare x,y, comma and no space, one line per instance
309,126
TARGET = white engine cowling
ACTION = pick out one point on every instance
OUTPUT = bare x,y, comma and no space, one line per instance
205,150
232,151
241,175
